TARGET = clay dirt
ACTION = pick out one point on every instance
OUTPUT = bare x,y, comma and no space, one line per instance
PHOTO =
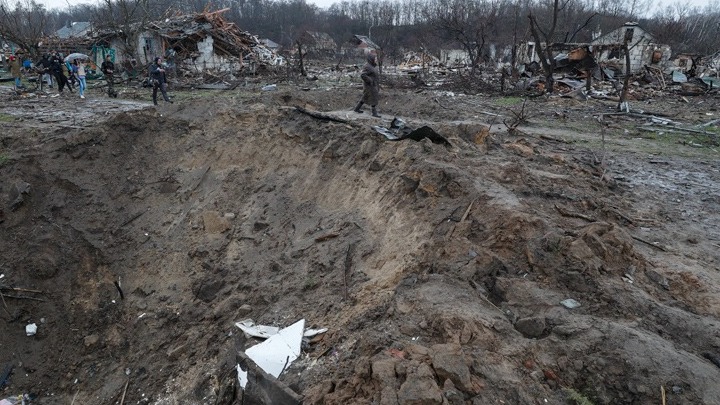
135,237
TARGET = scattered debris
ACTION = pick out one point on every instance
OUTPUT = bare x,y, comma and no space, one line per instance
260,331
276,353
31,329
16,400
399,130
321,116
570,303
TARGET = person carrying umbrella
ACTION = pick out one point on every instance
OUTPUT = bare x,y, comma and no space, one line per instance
371,86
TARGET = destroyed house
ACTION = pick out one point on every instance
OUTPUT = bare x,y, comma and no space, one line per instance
205,40
318,43
359,46
644,51
198,41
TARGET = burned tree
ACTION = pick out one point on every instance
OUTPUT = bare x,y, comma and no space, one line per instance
25,24
545,52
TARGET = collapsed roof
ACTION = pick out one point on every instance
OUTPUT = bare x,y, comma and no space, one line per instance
184,32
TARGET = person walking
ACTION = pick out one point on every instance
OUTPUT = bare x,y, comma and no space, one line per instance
15,67
58,69
79,72
108,69
371,86
43,69
159,80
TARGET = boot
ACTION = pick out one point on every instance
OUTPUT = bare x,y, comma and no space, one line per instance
357,108
375,113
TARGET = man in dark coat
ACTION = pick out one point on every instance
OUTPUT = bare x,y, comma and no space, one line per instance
43,70
157,75
108,69
371,86
56,67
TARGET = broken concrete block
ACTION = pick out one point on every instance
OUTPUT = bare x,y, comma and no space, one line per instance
449,363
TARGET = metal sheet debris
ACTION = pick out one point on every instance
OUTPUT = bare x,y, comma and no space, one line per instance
276,353
679,77
260,331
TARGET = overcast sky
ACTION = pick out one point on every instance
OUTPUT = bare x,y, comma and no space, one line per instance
326,3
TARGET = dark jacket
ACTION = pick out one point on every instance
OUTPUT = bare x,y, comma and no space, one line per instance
157,73
56,63
371,84
43,66
107,67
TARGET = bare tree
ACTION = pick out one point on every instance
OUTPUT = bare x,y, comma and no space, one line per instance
127,18
25,24
467,22
546,36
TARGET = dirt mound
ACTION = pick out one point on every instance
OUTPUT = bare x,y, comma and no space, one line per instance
439,270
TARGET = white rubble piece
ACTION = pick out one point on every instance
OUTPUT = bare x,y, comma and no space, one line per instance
276,353
260,331
31,329
242,377
570,303
314,332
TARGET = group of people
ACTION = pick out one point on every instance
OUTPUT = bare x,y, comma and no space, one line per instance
72,74
53,68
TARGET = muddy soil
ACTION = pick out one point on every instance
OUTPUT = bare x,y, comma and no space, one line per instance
135,237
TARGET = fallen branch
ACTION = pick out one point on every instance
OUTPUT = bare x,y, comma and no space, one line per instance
21,290
348,269
620,214
639,239
122,399
550,138
326,237
5,307
662,393
320,116
467,211
567,213
23,297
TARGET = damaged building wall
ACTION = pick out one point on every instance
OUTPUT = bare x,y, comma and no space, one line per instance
643,49
454,57
208,59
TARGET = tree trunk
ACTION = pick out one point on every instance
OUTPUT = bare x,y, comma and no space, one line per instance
300,56
626,82
546,60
